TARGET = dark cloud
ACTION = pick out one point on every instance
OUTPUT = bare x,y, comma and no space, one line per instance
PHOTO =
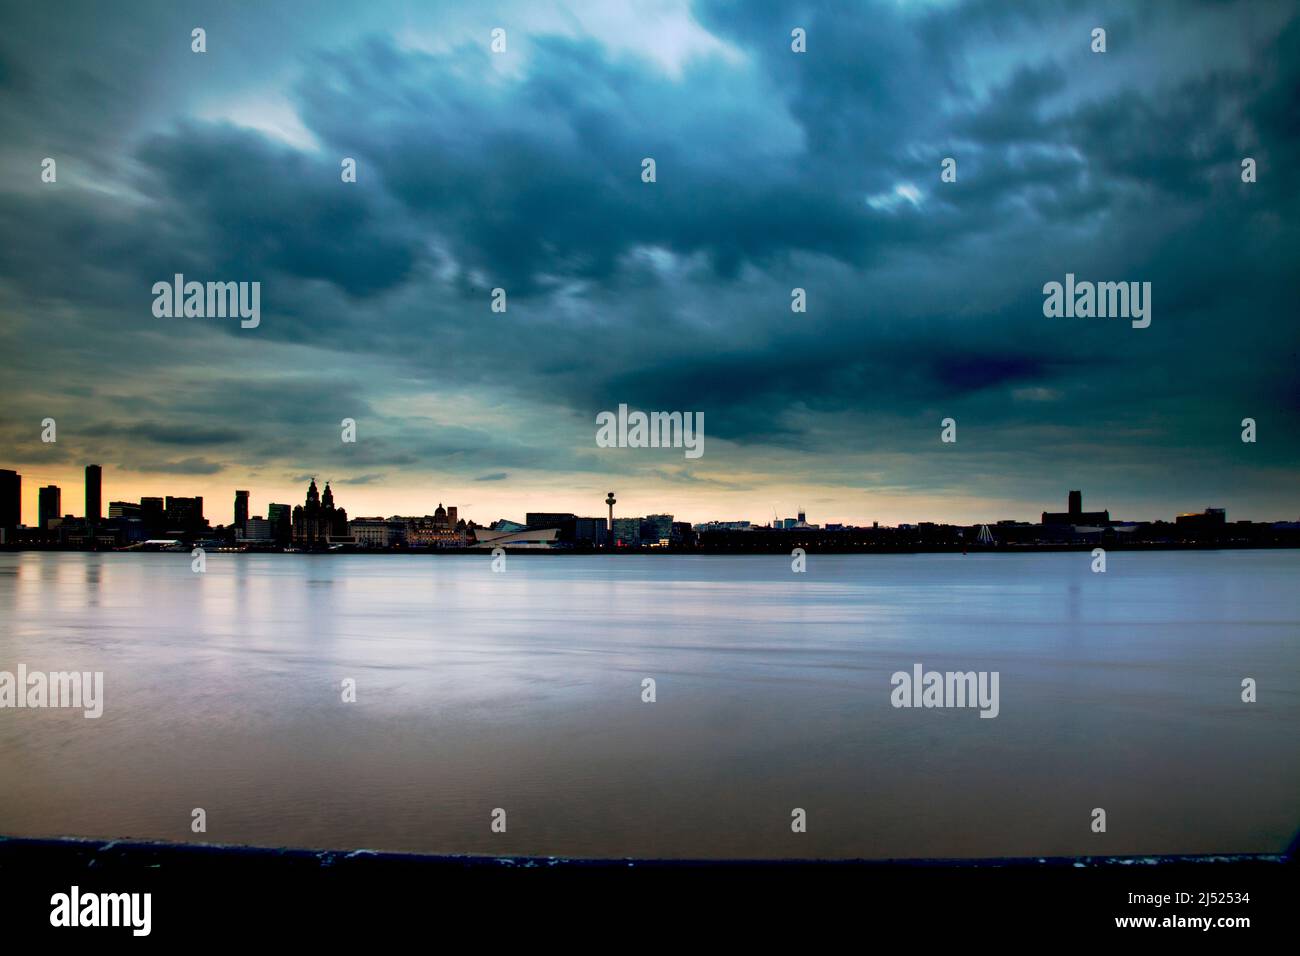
775,170
186,466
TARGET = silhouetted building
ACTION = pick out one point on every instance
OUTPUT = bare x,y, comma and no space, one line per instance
11,503
591,532
154,515
94,493
1076,515
1209,520
183,514
657,529
255,531
378,532
317,521
547,519
281,518
627,532
241,508
123,509
48,505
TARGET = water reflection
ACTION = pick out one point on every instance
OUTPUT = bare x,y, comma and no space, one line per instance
523,690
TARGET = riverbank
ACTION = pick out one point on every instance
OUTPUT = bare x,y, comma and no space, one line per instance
215,891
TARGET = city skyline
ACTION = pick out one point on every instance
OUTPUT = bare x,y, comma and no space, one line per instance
258,506
783,179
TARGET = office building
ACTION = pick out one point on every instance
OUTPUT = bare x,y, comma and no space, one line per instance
11,502
48,505
281,518
241,508
154,514
657,529
94,492
183,514
627,532
255,531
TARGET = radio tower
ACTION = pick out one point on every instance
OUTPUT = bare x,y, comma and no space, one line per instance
609,500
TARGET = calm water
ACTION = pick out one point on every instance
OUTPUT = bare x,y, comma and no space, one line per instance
522,690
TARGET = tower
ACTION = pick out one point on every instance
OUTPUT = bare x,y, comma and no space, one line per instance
94,500
11,501
1076,502
610,500
241,509
48,505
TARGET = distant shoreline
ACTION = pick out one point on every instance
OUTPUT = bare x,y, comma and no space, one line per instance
131,854
761,548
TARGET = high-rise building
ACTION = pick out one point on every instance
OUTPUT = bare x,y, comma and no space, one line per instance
48,505
241,508
627,532
657,529
590,531
153,514
184,514
11,500
281,518
94,493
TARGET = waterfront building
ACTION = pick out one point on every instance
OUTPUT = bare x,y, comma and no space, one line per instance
378,532
547,519
255,530
11,503
124,509
154,514
317,521
1076,515
48,504
627,532
241,508
182,514
657,530
94,493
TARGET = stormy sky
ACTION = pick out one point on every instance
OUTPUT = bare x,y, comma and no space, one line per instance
775,170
